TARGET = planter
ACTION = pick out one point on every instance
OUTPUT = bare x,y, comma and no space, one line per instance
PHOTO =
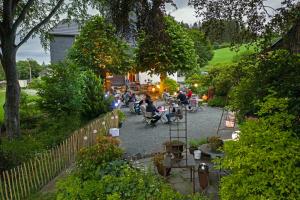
160,169
175,148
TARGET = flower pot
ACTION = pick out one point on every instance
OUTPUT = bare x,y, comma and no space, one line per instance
175,149
160,170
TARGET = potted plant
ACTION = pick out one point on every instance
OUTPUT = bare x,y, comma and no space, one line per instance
158,162
122,117
215,143
175,147
195,143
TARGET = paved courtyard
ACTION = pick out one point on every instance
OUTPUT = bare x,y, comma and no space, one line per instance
137,138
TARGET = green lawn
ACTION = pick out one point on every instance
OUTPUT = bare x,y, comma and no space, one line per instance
225,55
2,100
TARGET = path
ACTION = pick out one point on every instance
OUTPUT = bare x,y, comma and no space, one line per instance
138,138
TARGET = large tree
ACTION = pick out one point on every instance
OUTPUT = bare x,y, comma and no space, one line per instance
260,18
98,48
19,21
174,52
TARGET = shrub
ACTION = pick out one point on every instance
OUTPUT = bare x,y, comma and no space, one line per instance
94,102
14,152
194,143
118,180
264,162
89,159
35,83
61,91
217,102
29,111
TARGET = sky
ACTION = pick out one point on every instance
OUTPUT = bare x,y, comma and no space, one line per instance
33,49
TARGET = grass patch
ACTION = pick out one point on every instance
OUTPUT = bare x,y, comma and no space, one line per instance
226,55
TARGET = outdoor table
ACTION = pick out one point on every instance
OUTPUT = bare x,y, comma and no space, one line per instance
162,112
188,162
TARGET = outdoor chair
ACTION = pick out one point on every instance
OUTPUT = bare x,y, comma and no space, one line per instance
131,107
148,117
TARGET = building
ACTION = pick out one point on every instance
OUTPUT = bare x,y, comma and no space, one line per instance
63,36
291,41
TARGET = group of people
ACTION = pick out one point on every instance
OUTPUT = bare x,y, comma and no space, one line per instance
135,104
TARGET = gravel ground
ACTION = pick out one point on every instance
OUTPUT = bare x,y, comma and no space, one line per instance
138,138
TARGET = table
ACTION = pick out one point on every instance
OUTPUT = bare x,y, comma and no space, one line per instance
162,113
188,162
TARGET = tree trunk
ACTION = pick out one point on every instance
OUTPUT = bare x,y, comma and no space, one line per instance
163,77
12,99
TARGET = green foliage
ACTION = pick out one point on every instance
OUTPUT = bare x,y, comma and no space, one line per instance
276,73
170,85
264,162
197,83
35,83
98,48
217,101
121,116
94,102
61,91
89,159
29,111
202,46
195,143
15,152
112,178
176,53
24,67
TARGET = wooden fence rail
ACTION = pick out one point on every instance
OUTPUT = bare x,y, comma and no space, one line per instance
18,183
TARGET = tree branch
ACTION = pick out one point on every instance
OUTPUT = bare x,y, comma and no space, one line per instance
22,14
44,21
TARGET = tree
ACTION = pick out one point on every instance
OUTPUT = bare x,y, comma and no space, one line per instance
25,67
94,101
274,73
176,53
20,20
202,46
61,91
256,20
98,48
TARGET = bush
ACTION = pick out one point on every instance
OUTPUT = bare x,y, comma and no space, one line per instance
15,152
217,102
275,73
35,83
264,162
29,111
89,159
94,102
61,91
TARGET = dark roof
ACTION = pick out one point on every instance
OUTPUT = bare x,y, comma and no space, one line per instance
66,28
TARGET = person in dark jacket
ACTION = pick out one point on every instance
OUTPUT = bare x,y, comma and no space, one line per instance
151,108
182,98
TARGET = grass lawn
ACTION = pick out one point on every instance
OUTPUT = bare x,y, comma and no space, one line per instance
225,55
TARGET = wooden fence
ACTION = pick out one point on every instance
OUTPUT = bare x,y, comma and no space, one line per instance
18,183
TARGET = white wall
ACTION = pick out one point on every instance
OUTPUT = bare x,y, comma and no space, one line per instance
144,76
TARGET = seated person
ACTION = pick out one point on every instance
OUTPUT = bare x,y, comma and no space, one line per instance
151,108
172,113
189,94
182,98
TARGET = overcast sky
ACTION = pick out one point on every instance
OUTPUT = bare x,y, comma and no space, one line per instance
33,49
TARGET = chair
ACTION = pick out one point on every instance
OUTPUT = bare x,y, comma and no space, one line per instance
194,105
131,107
148,117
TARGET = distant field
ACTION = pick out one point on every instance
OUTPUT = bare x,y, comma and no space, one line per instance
225,55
